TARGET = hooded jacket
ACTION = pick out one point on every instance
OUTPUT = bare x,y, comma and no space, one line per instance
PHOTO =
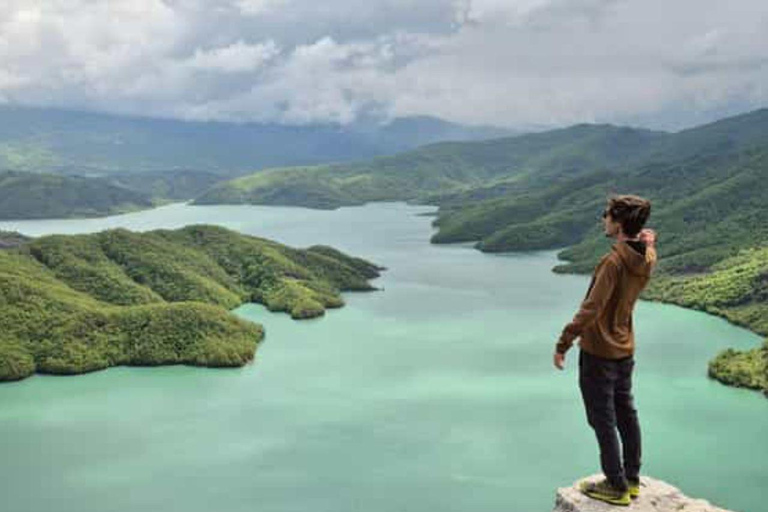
604,320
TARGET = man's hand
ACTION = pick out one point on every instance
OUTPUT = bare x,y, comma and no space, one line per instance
559,360
648,236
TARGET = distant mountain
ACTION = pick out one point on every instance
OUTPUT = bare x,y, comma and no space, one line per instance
729,135
405,133
44,139
44,196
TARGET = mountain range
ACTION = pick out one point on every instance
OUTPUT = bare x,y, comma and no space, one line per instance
86,143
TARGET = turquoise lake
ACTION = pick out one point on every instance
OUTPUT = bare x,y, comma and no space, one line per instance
436,393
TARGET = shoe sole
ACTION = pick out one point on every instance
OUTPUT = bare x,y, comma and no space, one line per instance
609,499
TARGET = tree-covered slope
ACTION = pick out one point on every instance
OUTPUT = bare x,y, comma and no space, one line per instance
170,184
695,177
736,288
442,168
705,209
72,304
40,196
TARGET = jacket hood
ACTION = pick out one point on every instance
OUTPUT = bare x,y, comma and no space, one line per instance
633,260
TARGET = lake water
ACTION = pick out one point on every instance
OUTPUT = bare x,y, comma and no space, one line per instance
435,394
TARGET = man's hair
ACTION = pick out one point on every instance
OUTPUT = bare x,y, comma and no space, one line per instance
630,211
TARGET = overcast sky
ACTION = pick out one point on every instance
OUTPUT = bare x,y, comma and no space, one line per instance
514,63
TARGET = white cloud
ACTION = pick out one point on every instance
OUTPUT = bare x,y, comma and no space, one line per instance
258,7
324,81
237,57
495,11
506,62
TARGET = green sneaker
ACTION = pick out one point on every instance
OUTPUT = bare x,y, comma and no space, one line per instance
634,488
604,491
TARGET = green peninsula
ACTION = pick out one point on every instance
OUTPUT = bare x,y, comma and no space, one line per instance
76,303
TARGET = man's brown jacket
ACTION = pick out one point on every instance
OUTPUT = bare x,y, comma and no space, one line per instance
604,321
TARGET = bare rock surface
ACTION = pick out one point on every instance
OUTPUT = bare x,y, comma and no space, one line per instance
655,496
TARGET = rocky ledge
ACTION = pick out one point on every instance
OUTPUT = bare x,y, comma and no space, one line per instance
655,496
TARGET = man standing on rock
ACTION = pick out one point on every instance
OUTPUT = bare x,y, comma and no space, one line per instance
606,359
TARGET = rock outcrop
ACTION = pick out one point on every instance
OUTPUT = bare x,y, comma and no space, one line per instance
655,496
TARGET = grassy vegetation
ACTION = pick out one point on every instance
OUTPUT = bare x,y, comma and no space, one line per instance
73,304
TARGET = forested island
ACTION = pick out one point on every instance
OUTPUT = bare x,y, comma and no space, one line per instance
76,303
546,191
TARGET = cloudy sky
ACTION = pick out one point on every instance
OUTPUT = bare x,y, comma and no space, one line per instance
514,63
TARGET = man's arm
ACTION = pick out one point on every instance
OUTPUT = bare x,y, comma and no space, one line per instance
606,277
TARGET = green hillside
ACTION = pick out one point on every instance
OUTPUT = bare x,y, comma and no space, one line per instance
729,135
73,304
705,209
443,168
169,184
704,172
41,196
736,288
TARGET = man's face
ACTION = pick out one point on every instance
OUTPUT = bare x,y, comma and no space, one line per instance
611,227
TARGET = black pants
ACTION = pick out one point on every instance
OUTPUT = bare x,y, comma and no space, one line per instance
606,387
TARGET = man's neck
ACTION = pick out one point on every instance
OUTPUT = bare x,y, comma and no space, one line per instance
621,237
